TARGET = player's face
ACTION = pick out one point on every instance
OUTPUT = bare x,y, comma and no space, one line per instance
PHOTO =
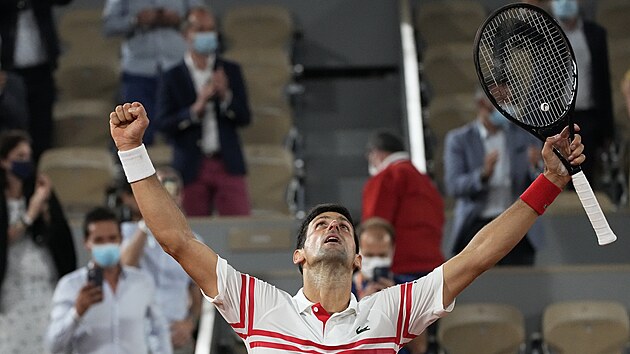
330,238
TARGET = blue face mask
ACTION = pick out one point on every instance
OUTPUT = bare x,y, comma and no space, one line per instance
205,43
23,169
106,255
498,120
565,9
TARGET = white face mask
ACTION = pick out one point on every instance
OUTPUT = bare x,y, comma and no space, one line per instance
368,264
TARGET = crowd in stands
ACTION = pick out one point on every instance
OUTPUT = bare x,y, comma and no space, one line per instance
198,101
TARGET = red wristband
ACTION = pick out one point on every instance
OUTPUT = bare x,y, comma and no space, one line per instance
540,194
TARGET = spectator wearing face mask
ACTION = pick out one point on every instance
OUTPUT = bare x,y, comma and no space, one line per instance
152,44
488,163
36,246
593,105
202,104
106,307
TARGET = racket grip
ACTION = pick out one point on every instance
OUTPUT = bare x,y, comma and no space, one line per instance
604,233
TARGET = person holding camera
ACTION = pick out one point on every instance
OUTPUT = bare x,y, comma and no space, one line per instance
106,307
376,245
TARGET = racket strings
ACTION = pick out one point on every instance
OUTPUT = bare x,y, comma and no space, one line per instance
526,52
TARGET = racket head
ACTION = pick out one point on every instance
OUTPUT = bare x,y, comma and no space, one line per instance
527,68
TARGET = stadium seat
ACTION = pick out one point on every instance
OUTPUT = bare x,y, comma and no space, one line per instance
449,68
82,37
87,81
269,126
270,172
82,122
258,26
613,15
80,175
482,328
586,327
440,22
161,155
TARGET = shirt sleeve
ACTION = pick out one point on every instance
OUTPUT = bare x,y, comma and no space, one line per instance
415,305
240,296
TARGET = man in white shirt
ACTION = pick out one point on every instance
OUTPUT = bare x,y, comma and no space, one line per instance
324,316
108,313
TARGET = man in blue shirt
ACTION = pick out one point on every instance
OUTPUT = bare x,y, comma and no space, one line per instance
111,317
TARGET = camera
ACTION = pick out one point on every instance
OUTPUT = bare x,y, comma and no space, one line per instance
95,274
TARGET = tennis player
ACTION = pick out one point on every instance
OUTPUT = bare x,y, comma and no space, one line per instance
324,317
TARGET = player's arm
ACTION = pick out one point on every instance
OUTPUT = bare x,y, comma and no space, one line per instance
163,217
496,239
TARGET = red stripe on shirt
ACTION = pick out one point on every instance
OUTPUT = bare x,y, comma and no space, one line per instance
250,324
285,347
400,314
300,341
241,324
408,300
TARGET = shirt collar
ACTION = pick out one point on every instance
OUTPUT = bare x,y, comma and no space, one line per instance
303,304
191,65
483,132
393,158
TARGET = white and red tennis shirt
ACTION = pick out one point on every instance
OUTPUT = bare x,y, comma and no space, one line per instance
270,320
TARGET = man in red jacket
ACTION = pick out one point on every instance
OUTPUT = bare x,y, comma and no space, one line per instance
408,199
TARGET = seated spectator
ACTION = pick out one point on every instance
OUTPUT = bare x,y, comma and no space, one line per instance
202,104
177,295
108,308
36,246
13,104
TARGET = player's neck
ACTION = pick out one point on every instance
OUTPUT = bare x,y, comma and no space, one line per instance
330,289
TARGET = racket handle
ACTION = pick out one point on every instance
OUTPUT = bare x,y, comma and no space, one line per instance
594,212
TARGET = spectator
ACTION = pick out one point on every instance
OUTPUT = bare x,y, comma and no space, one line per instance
408,199
488,163
110,312
202,104
30,48
152,44
177,294
324,316
593,106
13,103
376,246
36,247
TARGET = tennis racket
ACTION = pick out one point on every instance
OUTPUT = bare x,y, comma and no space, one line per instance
527,68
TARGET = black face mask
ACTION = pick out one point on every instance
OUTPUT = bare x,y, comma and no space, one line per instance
23,169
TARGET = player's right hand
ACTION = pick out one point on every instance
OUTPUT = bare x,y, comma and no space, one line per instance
127,124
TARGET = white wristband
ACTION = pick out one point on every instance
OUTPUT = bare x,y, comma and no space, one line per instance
136,163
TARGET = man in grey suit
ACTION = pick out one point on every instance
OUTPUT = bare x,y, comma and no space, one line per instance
488,163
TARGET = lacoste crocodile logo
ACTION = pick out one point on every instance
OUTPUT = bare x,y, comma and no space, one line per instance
361,330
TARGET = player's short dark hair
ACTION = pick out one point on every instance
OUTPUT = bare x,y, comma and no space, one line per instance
385,141
98,214
313,213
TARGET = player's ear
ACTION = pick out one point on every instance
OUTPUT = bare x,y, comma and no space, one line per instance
298,256
358,260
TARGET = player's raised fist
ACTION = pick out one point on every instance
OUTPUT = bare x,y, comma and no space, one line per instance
127,124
